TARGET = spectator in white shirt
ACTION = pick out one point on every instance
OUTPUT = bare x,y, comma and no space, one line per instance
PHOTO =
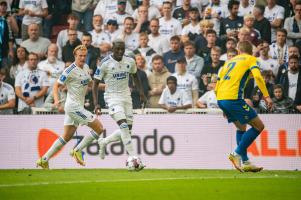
128,35
169,26
195,63
120,13
31,86
279,49
245,8
265,61
193,26
62,37
33,12
208,100
153,11
100,39
185,81
172,98
158,42
275,14
52,66
7,95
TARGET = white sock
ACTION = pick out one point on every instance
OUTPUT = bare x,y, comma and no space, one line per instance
126,138
114,137
87,140
56,146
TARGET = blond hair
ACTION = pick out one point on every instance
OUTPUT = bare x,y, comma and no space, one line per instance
80,47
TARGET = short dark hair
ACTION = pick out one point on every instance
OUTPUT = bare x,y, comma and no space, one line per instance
261,8
175,37
232,3
282,30
278,86
182,60
172,78
210,31
189,43
157,57
87,34
293,57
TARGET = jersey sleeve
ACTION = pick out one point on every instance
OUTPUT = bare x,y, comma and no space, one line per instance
100,71
280,14
11,93
195,84
162,97
185,99
254,68
45,80
64,77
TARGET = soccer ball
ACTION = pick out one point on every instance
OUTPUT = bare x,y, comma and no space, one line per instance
134,163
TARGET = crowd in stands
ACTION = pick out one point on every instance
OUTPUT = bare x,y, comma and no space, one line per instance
179,47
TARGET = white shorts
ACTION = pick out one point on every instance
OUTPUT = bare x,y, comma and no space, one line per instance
79,117
121,109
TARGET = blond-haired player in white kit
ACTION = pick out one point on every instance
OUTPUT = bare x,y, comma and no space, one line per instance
77,78
115,70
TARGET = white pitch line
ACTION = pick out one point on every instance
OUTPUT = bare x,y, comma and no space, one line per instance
134,180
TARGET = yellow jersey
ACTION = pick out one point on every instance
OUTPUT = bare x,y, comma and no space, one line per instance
235,74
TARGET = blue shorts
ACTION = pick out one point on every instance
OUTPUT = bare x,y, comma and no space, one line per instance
237,110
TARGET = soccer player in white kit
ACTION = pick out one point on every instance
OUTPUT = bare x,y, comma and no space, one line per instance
115,70
77,78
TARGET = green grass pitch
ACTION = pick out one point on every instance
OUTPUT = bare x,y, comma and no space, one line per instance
106,184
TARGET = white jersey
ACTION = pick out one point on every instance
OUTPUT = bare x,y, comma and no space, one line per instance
116,76
186,83
293,84
153,12
159,44
278,53
100,38
131,40
245,11
191,29
170,28
7,93
209,98
269,64
106,8
173,100
119,18
31,82
277,12
35,6
76,79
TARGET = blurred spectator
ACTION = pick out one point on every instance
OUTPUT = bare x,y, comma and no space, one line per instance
172,98
120,14
153,11
186,82
245,8
254,33
19,62
157,81
293,26
265,61
182,13
169,26
67,51
211,39
142,23
62,37
175,52
195,63
84,11
208,100
230,26
210,68
231,53
141,64
216,11
106,8
4,41
290,79
33,12
100,38
282,104
128,35
193,26
52,66
262,24
49,102
200,39
143,49
52,18
93,52
112,28
275,14
31,86
11,20
279,49
7,95
230,44
35,43
135,93
158,42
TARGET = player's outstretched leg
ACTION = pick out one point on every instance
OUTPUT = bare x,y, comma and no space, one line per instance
103,142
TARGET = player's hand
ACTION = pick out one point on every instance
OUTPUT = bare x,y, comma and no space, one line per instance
171,109
97,110
269,103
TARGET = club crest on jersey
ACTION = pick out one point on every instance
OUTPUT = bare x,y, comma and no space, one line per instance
85,82
120,75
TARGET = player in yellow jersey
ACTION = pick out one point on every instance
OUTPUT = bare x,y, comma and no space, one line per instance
232,79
